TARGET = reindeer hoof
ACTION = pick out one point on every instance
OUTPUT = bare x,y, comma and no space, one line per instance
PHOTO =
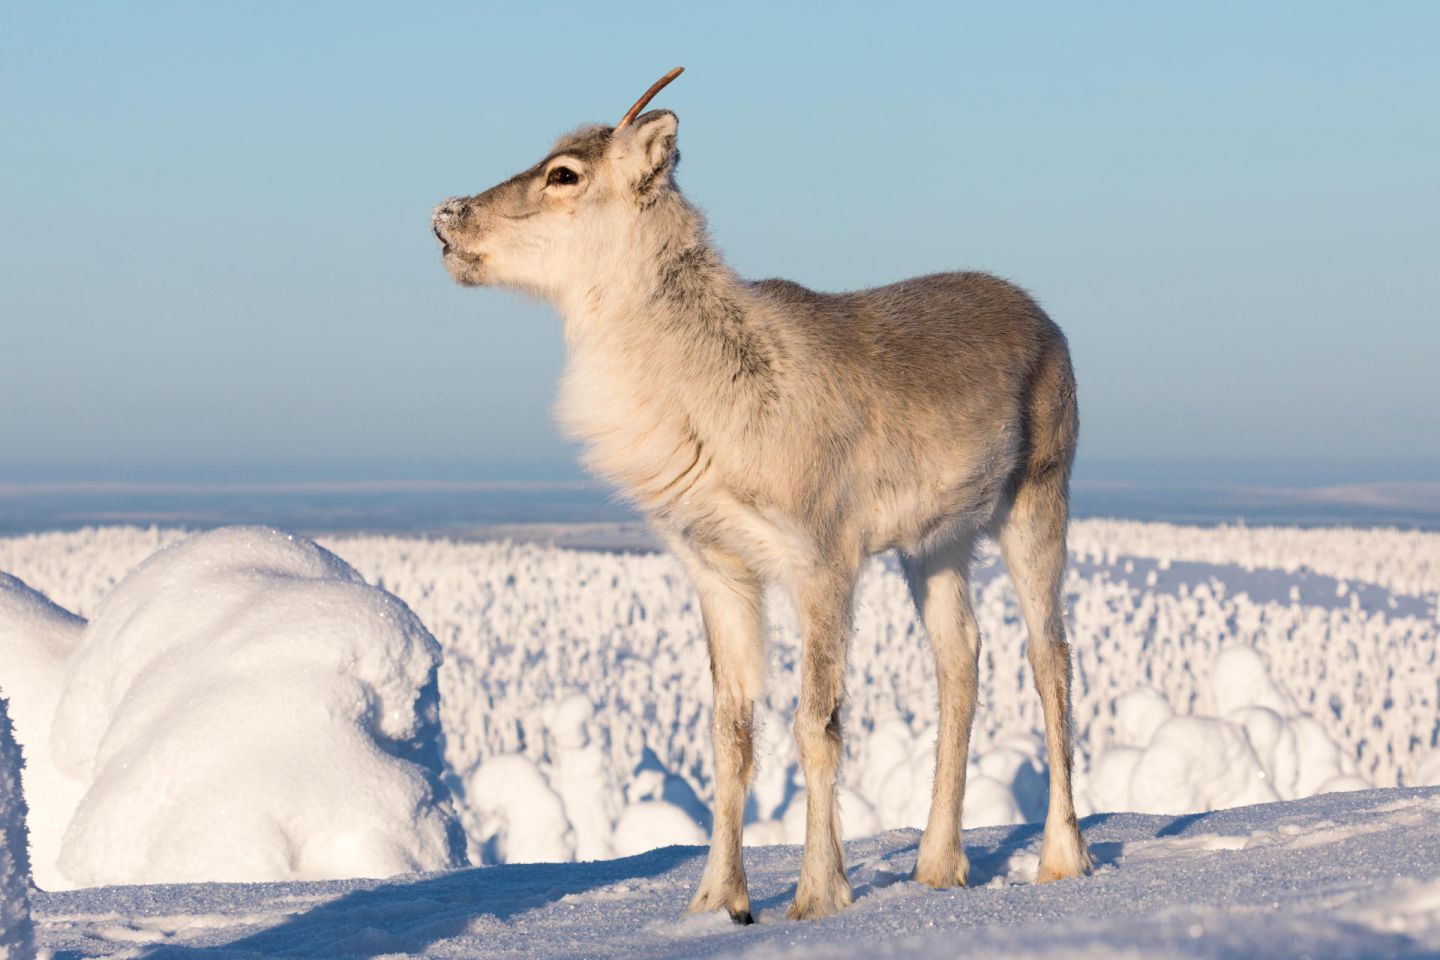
1063,856
712,896
821,900
951,869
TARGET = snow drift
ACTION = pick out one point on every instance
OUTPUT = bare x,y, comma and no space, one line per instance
36,639
16,930
243,706
1213,667
1257,747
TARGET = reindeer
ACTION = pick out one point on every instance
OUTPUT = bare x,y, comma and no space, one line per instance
771,433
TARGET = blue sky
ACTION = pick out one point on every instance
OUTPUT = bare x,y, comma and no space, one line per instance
218,264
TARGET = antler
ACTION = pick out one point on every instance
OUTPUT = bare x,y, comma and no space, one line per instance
655,88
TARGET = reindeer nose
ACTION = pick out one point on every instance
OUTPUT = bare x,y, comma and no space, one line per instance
450,212
445,216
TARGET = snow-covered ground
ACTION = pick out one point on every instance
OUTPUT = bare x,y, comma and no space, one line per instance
1341,875
1214,667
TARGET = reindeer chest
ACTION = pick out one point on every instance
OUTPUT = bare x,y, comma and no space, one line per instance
670,452
638,431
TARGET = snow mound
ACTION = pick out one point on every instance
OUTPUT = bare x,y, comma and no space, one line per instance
650,824
36,639
513,816
16,931
1257,748
243,706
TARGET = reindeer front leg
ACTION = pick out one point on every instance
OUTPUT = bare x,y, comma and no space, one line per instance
730,599
822,599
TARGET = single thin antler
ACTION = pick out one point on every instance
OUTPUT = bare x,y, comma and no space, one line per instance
655,88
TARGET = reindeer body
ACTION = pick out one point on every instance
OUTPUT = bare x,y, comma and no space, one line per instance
808,424
772,433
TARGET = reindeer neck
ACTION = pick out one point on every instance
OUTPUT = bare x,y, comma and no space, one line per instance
667,300
668,363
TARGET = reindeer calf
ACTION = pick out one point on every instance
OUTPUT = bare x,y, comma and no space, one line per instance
772,433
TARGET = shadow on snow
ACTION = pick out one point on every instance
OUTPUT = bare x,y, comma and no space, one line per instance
407,915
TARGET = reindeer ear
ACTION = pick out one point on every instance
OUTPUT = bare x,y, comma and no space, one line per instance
655,137
649,145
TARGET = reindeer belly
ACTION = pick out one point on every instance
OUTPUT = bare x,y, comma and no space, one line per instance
930,490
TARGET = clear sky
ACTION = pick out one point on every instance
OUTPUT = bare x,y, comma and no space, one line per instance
217,261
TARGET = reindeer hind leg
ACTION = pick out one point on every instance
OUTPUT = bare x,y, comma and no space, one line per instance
940,587
1033,542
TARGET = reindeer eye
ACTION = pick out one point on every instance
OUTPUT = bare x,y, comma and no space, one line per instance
562,175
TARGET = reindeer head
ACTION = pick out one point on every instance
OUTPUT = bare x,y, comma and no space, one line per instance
567,213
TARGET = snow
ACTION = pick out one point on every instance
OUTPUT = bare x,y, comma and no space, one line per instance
513,816
1406,563
655,823
1213,668
36,639
1196,763
16,932
1258,747
242,706
1341,875
1429,773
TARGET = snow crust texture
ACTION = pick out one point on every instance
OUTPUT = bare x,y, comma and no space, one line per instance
16,931
1213,668
243,706
1347,875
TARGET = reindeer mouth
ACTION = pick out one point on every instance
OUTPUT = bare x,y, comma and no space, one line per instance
466,269
473,259
449,251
